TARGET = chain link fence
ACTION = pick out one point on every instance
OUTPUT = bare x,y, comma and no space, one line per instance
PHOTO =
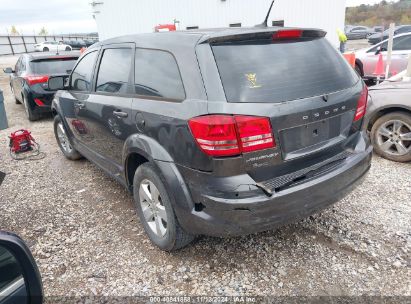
11,45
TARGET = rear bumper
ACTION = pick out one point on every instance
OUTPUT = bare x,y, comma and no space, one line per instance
256,211
46,99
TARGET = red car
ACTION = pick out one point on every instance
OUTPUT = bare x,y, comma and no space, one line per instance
366,59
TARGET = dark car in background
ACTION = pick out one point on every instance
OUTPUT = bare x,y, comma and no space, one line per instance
388,120
89,42
75,44
378,37
358,32
378,29
218,132
28,80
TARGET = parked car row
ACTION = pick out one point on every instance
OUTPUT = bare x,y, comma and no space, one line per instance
378,37
375,34
66,45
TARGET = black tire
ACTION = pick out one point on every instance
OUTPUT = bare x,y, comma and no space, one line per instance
377,138
15,98
72,153
68,48
29,112
358,70
175,237
46,49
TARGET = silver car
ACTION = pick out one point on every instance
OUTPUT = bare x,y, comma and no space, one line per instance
388,120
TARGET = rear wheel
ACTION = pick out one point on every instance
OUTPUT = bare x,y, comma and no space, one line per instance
46,49
63,140
391,136
29,112
68,48
155,210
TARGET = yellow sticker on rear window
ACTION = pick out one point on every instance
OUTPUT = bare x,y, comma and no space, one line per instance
252,79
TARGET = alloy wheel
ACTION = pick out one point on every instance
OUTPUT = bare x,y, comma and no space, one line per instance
153,208
394,137
63,139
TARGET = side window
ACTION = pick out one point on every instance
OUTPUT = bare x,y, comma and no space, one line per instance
403,29
114,71
402,43
157,74
383,46
83,72
10,271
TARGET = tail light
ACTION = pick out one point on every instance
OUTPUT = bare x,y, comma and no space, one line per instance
33,79
287,34
361,105
39,102
227,135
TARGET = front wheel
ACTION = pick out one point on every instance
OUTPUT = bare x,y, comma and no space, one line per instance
63,140
68,48
156,211
391,136
15,98
358,70
46,49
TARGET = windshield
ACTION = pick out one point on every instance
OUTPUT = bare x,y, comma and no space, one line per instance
277,72
53,66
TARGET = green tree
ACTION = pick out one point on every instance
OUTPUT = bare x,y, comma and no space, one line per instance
14,31
405,19
43,31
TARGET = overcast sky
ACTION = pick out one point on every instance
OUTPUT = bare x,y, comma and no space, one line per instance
63,16
57,16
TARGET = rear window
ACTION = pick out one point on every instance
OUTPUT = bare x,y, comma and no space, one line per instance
53,66
277,72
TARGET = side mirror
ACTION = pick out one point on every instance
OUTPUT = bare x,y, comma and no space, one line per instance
380,49
20,280
8,71
57,83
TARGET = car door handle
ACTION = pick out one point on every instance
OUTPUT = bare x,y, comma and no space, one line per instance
120,114
79,105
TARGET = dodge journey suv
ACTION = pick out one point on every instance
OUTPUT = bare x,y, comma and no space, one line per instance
217,132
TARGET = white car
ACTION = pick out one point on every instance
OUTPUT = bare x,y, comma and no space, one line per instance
366,59
51,46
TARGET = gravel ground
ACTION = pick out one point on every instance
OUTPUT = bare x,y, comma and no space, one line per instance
87,240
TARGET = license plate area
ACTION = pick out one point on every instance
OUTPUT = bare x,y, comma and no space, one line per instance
309,138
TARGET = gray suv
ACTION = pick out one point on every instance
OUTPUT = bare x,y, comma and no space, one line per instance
217,132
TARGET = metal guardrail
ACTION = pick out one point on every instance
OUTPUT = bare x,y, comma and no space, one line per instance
11,45
3,118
